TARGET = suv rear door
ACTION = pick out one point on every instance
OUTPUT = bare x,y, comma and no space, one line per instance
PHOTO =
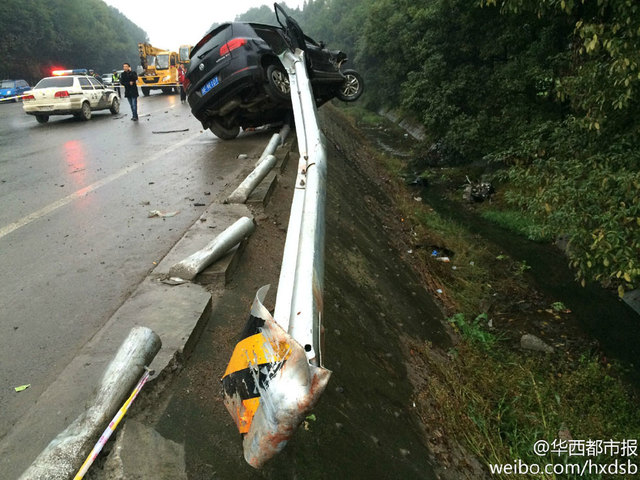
206,58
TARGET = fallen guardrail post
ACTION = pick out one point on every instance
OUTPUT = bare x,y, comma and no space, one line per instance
276,140
249,184
188,268
276,375
62,458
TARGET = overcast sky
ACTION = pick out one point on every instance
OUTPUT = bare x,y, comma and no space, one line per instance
170,24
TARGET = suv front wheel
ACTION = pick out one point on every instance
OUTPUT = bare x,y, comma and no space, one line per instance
352,87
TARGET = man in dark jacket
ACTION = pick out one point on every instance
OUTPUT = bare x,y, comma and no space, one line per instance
129,79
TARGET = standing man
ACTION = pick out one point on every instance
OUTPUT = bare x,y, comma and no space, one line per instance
129,79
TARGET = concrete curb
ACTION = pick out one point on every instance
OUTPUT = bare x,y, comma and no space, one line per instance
64,455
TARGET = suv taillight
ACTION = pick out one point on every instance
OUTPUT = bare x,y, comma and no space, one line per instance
28,97
61,94
232,45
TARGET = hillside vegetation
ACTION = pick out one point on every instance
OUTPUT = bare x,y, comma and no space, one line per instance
39,35
544,91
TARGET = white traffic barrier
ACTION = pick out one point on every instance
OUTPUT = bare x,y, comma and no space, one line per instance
62,458
188,268
289,387
249,184
298,308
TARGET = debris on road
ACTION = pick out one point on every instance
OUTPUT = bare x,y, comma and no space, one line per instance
22,388
173,281
158,213
170,131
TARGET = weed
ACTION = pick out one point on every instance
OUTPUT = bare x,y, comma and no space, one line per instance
474,331
519,223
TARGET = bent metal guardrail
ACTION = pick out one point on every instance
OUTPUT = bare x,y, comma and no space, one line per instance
276,375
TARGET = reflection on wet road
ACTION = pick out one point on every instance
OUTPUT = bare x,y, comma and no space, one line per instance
75,237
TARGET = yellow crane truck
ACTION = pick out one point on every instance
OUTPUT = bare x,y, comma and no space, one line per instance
159,69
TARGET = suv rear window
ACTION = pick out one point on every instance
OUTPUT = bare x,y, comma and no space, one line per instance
213,39
55,82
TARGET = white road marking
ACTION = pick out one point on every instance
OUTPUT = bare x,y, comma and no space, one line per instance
4,231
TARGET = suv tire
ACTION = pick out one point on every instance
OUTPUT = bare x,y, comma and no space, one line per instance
42,118
278,87
352,87
220,131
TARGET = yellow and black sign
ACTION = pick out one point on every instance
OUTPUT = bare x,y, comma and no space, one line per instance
256,359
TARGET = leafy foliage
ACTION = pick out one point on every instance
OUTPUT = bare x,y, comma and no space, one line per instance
547,89
40,34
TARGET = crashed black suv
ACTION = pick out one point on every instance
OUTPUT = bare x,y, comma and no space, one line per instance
236,80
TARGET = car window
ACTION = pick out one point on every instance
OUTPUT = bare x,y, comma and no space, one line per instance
213,39
85,84
162,61
96,83
55,82
22,83
7,84
272,37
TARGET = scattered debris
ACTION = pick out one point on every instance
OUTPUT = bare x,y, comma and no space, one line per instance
173,281
477,192
199,205
531,342
243,156
443,259
170,131
158,213
22,388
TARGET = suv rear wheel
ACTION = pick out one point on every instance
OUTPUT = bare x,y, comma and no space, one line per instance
220,131
42,118
278,86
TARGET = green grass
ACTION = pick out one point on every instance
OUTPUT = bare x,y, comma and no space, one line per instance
517,223
500,403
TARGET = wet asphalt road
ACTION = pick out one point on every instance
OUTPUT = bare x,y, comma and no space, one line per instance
75,236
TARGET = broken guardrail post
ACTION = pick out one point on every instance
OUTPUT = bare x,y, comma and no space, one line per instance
62,458
281,355
188,268
249,184
276,140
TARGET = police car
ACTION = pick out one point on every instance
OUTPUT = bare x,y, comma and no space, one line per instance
69,92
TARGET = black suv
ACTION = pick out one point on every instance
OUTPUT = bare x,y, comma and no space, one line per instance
235,78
